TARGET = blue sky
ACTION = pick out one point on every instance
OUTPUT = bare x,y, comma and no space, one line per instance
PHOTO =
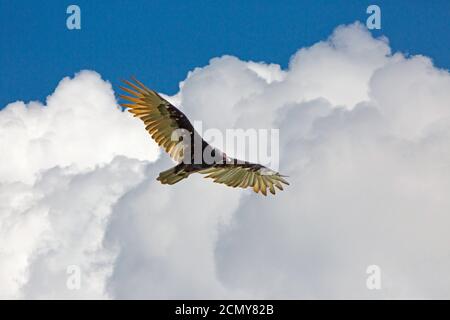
160,41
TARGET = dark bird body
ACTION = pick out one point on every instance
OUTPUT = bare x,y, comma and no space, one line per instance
172,130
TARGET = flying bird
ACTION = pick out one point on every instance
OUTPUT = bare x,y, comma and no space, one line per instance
171,129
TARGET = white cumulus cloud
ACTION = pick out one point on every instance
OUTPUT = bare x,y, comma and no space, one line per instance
363,136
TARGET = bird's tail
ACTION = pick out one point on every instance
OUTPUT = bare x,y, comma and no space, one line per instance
173,175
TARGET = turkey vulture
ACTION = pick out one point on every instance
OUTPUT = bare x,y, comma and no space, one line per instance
171,129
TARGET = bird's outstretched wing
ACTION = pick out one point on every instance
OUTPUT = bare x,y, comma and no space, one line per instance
160,117
245,175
